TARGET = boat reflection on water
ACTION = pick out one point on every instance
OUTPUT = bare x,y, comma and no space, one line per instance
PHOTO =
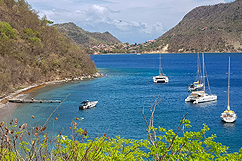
228,125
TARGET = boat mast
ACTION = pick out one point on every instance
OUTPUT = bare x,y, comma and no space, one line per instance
198,67
160,66
203,73
199,72
228,107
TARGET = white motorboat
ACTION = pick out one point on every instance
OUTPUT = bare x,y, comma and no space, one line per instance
87,104
228,115
200,96
161,78
198,85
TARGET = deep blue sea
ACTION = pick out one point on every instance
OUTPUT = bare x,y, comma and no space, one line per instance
127,87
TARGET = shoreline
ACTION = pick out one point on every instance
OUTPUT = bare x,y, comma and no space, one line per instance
6,107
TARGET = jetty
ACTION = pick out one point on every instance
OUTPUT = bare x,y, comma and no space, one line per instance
33,101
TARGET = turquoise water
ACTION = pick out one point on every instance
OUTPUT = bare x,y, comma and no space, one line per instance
127,87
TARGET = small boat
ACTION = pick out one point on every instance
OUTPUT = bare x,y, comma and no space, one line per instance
161,78
228,115
87,104
200,96
198,85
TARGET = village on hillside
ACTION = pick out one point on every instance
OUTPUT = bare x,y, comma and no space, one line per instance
123,47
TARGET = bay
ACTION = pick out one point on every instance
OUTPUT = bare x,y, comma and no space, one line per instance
127,87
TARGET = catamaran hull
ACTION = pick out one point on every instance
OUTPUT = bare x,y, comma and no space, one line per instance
160,79
196,100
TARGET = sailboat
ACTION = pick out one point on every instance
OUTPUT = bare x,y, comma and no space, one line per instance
198,85
161,78
228,115
200,96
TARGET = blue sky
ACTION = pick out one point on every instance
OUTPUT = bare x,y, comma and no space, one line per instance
133,21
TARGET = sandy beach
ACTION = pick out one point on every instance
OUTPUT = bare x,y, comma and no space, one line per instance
6,107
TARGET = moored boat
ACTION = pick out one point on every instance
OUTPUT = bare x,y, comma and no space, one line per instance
87,104
200,96
198,85
161,78
228,115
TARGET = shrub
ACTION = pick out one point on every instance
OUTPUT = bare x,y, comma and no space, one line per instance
6,30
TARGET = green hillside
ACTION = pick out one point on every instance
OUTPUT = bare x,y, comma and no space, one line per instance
32,51
85,38
216,28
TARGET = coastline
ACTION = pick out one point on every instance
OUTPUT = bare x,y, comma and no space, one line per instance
6,107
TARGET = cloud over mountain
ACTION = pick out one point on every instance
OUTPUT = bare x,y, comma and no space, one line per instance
142,19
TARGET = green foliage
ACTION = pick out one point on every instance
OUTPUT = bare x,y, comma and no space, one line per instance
29,33
31,143
101,148
44,20
27,45
6,31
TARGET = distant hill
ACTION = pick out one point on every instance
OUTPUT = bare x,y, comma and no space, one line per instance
216,28
85,38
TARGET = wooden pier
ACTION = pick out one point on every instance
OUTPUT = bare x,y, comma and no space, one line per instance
33,101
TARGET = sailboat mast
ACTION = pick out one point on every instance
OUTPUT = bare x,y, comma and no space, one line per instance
228,107
203,73
160,65
198,67
199,71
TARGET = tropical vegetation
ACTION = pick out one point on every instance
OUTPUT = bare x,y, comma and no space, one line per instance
32,51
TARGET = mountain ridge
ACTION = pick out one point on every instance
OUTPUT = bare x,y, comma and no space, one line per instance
215,28
85,38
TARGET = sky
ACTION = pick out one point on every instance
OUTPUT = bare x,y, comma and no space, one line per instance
132,21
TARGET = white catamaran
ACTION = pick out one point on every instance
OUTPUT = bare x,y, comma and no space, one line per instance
200,96
228,115
161,78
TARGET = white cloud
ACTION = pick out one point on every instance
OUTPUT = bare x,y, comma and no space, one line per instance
128,20
98,10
